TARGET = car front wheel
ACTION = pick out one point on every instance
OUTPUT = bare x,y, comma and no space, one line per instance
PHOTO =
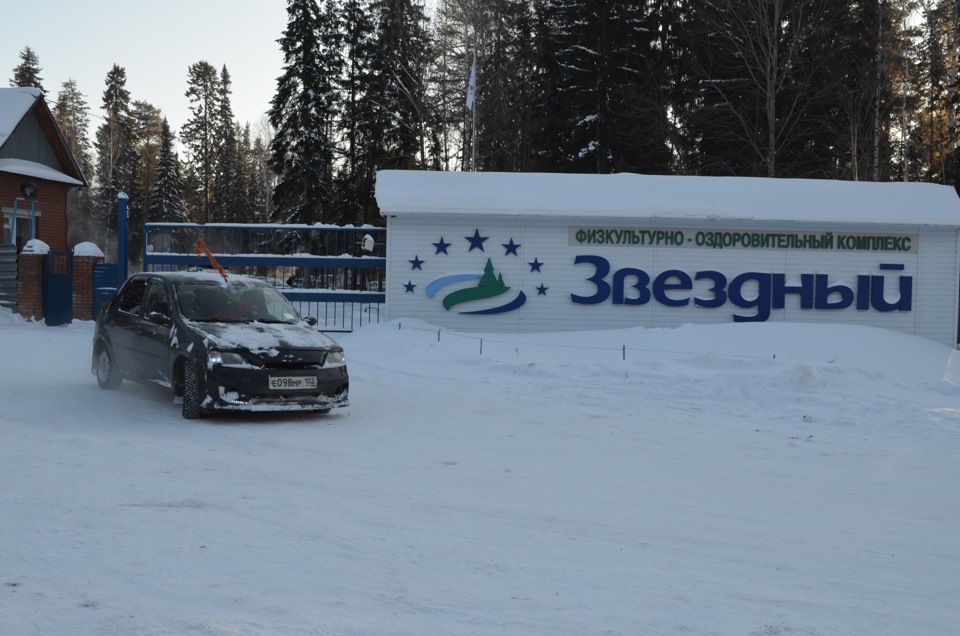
108,376
193,390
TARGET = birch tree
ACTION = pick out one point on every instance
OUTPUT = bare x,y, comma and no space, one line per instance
772,75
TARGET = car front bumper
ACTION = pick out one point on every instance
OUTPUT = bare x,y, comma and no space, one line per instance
248,389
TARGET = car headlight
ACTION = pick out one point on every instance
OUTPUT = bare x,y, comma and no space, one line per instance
226,357
334,357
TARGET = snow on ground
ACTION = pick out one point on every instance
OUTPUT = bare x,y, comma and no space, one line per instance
730,479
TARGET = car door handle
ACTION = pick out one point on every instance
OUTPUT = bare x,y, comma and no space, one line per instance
148,329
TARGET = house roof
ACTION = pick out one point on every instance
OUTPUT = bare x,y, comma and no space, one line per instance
657,197
36,170
15,104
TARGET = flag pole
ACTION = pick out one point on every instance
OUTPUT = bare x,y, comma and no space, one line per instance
471,95
473,125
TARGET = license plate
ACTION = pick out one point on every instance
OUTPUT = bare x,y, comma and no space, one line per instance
293,382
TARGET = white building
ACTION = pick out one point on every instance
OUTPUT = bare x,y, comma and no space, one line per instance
515,252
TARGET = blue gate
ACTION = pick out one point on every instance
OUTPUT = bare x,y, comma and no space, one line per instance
333,273
58,288
104,284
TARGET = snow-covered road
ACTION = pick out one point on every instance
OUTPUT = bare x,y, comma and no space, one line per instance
734,479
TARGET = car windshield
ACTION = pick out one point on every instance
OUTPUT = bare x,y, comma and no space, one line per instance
236,302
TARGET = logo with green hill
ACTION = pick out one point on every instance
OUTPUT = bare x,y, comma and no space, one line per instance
490,285
474,288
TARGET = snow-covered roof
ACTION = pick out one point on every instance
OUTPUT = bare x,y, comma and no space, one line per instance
636,196
14,104
37,170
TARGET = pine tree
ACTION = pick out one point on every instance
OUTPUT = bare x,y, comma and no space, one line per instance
931,137
201,136
145,137
359,117
243,201
115,155
27,73
952,53
506,128
228,183
608,94
303,113
73,117
943,23
447,79
402,53
166,197
230,195
262,178
848,119
545,111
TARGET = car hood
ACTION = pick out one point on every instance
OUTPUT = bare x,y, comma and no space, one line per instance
264,339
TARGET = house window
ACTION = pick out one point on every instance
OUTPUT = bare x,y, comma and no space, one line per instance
23,225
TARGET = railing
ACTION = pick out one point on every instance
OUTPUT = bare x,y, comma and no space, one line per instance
333,273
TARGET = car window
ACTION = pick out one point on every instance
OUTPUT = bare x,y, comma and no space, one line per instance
157,301
187,300
132,296
278,308
234,303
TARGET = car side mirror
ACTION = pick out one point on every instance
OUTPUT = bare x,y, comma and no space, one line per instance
310,320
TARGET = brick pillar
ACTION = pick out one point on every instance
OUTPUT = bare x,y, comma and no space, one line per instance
30,285
83,286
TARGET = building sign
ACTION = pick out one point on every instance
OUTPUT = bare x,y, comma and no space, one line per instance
751,296
759,291
510,252
743,240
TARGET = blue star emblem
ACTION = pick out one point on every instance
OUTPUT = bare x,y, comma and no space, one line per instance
476,241
409,287
511,248
541,290
535,265
416,263
441,246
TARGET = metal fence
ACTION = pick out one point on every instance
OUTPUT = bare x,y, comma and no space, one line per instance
8,276
333,273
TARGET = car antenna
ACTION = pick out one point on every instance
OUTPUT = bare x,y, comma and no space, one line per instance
202,249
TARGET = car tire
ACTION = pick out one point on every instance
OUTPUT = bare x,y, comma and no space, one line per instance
193,390
108,376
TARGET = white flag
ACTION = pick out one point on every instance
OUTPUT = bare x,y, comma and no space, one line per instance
472,86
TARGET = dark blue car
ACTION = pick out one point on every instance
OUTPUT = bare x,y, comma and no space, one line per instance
220,344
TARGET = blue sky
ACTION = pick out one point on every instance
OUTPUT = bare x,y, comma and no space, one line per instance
155,42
